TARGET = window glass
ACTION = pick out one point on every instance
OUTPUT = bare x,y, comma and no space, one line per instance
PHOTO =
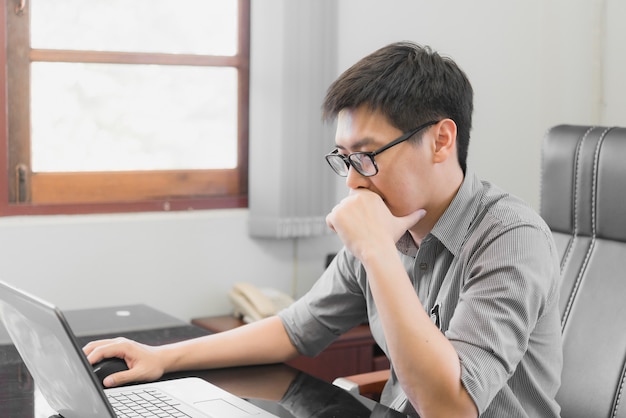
107,117
189,27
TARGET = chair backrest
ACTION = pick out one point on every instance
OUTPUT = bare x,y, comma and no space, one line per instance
583,200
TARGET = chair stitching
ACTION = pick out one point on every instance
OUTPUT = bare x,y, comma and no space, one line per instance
565,260
618,397
594,185
594,181
568,251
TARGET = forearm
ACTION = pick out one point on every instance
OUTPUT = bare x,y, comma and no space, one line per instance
261,342
425,362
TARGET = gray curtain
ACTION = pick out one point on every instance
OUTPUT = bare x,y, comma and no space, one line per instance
291,186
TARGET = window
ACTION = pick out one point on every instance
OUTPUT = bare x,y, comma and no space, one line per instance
125,106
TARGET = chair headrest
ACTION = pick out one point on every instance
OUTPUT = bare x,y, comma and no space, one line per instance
583,181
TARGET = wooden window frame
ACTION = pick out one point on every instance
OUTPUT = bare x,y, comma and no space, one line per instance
28,193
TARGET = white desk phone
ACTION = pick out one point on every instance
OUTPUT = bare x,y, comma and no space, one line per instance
252,303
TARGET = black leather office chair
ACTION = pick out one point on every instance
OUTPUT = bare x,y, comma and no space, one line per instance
583,200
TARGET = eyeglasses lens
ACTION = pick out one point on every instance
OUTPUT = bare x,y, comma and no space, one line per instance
363,163
338,164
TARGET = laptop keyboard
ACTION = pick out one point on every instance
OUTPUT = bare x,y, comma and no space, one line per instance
144,403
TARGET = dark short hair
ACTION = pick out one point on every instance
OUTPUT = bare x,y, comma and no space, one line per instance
410,84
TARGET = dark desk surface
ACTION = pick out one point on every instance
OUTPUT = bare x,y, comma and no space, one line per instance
278,388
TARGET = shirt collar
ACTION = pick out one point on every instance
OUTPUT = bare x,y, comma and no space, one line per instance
453,225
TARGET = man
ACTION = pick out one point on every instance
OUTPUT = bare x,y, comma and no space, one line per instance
458,280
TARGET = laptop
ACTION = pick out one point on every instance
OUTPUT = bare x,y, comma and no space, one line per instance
66,380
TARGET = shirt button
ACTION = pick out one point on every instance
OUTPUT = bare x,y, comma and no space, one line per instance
423,266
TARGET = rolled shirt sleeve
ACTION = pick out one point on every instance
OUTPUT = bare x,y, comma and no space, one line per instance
334,305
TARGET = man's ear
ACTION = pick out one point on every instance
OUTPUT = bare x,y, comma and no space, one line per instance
445,141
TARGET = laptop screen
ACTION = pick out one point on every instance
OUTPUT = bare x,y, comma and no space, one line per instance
52,357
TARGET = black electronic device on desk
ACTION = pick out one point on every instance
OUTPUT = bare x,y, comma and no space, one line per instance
64,382
138,322
290,393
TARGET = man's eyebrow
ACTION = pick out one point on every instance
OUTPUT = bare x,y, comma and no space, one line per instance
358,144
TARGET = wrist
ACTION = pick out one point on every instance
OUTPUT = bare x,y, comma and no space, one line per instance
381,250
169,357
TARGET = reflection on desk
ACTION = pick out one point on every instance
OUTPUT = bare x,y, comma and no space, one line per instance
290,393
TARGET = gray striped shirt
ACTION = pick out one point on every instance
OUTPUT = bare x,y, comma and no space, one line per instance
488,274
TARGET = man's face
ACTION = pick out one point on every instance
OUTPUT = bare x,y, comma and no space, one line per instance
404,170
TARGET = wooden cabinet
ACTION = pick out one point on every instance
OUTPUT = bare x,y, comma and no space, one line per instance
352,353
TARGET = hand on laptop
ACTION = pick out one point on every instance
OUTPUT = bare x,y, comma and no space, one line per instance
144,363
224,349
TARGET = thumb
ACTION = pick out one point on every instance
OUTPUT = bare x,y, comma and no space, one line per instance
118,379
413,218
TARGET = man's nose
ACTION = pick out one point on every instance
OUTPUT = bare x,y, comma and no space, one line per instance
354,179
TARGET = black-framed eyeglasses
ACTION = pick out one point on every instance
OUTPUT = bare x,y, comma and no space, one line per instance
364,162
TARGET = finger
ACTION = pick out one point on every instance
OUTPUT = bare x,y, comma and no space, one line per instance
111,348
92,345
119,379
329,222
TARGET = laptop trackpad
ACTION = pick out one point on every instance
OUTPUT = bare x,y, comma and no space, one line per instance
221,408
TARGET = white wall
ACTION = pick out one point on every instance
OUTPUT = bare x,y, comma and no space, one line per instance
182,263
533,64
